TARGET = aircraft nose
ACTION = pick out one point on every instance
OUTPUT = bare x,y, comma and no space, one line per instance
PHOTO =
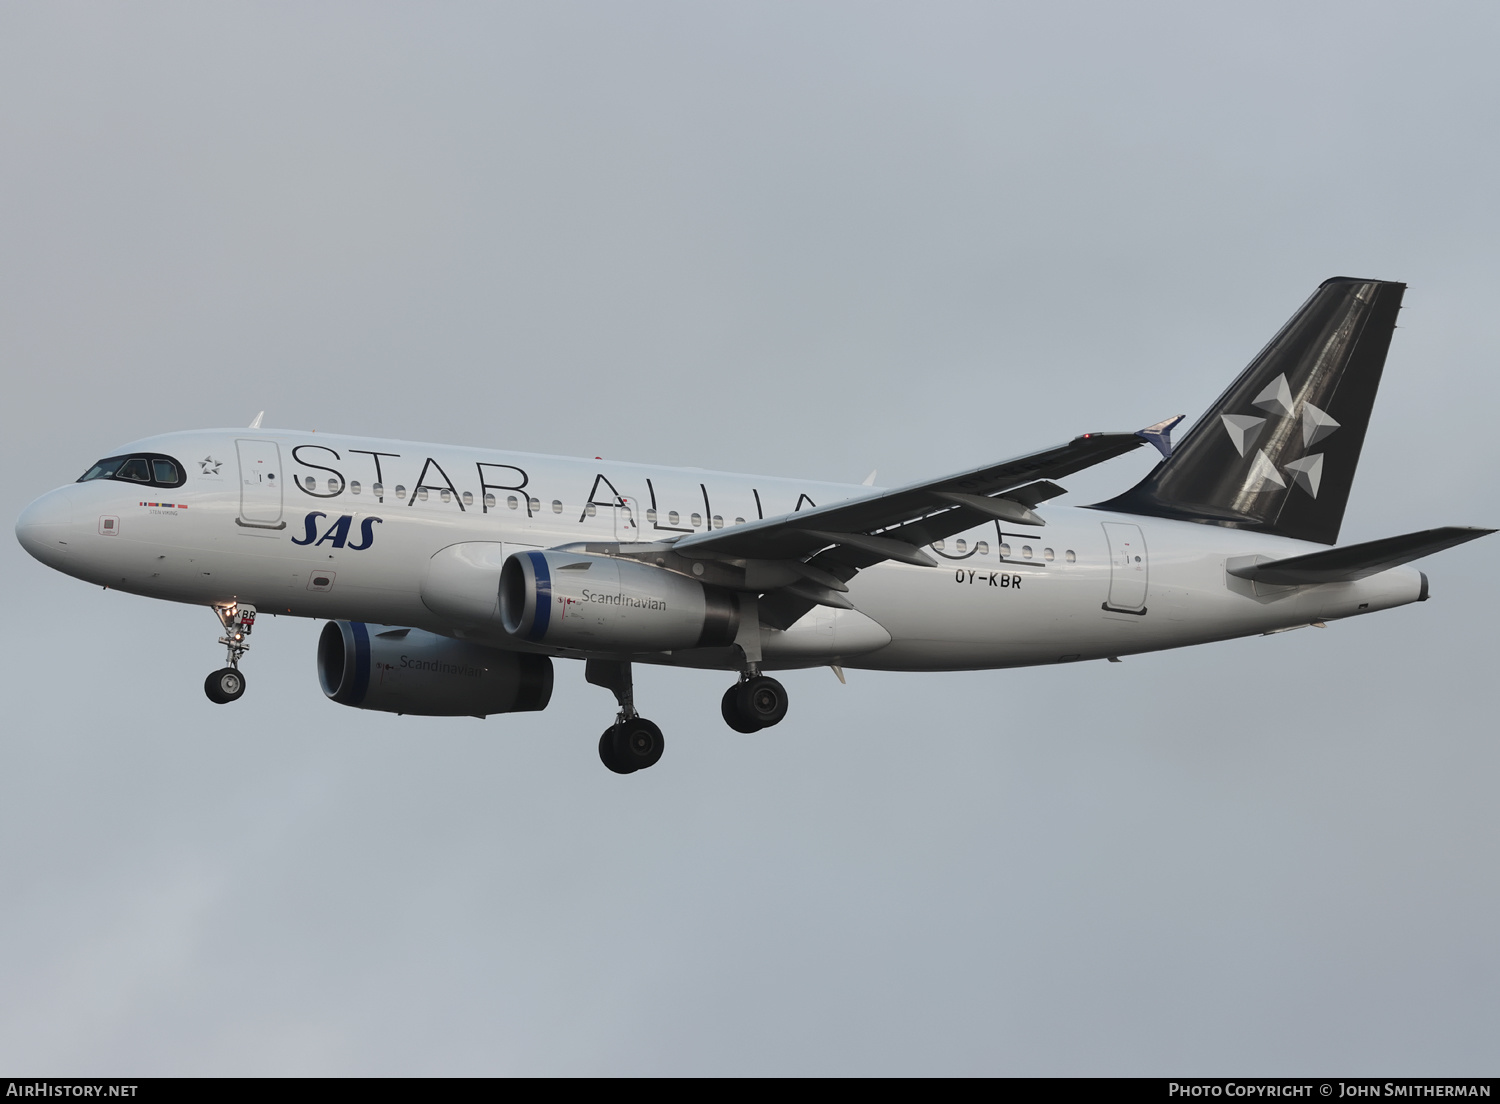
45,527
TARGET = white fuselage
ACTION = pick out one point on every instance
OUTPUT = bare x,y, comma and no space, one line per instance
358,541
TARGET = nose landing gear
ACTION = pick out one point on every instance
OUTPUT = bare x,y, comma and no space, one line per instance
227,684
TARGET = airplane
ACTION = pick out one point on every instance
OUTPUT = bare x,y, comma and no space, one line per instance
451,578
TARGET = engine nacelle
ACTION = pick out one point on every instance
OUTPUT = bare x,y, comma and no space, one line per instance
412,671
577,600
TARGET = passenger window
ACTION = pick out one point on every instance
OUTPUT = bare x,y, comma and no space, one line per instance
420,494
134,468
400,491
718,522
938,545
510,501
697,520
468,498
377,489
672,517
1004,551
354,486
1047,554
651,516
556,506
1072,557
333,486
960,545
1026,551
535,505
446,495
983,548
739,521
590,509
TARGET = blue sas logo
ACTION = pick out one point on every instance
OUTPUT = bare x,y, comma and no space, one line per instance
337,533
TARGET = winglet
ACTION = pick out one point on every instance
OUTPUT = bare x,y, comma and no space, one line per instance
1160,434
256,424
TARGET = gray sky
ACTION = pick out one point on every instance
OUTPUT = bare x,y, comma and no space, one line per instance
793,239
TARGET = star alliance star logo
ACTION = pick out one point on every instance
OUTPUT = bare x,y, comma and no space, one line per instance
1245,430
210,466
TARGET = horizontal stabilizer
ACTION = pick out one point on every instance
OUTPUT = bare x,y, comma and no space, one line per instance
1356,561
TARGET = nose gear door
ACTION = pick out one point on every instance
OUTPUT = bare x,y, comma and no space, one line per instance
260,484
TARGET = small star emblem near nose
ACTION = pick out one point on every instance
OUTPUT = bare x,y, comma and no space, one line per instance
210,466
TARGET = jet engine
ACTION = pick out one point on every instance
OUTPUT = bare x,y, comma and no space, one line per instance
412,671
577,600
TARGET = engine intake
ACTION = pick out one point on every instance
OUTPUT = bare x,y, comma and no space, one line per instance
412,671
584,601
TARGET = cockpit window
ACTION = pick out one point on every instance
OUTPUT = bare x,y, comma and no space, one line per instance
152,468
104,469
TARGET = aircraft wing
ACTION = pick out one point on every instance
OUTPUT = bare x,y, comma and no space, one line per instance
894,524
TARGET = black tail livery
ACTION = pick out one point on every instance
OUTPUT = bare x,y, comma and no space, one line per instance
1277,451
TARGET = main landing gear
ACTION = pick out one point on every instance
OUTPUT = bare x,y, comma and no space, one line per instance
754,703
227,684
632,743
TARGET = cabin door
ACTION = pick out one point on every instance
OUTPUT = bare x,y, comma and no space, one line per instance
260,484
1128,567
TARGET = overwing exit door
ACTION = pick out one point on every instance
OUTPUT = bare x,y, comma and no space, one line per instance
627,519
1129,567
260,484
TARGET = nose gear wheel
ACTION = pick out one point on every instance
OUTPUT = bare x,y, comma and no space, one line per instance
224,686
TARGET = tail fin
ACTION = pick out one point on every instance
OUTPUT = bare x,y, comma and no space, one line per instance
1277,451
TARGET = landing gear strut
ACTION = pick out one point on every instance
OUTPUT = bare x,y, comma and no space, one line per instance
632,743
227,684
755,702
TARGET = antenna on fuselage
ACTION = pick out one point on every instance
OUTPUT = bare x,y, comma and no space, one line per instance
256,424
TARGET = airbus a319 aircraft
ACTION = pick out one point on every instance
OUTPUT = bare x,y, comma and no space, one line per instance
451,578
